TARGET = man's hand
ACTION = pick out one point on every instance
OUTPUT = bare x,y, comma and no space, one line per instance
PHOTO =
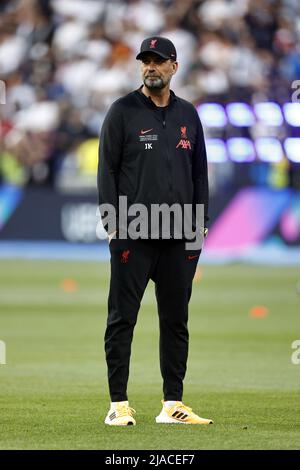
111,236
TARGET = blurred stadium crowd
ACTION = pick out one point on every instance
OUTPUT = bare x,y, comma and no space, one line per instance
63,62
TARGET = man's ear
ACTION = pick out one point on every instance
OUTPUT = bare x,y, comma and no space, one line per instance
175,67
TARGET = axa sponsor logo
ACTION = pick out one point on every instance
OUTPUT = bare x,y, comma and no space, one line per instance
184,142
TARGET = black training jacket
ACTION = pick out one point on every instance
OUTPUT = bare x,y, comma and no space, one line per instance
152,155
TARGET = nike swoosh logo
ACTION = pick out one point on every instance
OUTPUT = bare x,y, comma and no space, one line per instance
145,132
192,257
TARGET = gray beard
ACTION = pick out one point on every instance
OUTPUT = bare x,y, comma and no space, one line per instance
154,83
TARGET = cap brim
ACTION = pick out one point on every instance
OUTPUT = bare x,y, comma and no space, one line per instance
140,55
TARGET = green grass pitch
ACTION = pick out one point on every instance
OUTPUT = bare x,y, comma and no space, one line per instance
53,388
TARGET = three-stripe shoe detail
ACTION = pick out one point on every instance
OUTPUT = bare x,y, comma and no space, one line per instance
120,415
180,414
112,416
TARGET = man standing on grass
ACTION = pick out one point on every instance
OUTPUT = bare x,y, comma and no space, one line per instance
152,154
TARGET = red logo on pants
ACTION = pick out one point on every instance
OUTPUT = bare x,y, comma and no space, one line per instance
124,256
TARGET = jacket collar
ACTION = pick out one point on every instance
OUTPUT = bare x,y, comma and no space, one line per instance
148,101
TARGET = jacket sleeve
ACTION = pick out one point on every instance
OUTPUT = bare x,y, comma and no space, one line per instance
200,175
109,160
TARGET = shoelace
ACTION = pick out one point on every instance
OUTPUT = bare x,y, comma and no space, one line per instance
125,410
186,408
183,407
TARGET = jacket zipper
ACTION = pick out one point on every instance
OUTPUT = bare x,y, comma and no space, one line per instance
168,164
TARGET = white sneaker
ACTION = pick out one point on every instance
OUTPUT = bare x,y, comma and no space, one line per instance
120,415
180,414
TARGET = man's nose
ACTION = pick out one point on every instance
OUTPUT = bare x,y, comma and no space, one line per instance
151,66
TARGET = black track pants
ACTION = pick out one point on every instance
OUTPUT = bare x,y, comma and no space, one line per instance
172,268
